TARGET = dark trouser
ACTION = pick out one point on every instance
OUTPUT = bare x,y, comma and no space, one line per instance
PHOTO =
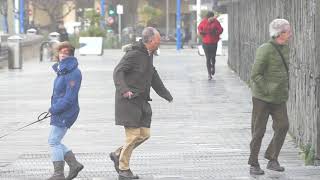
260,114
210,51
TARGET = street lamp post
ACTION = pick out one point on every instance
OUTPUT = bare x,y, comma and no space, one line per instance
16,17
167,19
21,16
119,12
178,25
198,15
102,13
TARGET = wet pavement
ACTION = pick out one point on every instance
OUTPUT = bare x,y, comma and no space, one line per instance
203,134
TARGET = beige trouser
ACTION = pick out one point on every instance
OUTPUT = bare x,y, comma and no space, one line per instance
134,137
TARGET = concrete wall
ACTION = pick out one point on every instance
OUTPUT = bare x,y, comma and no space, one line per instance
30,49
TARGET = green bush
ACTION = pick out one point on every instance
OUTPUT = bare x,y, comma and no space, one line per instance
93,31
74,40
111,41
308,154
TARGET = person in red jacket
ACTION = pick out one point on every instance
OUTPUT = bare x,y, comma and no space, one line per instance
210,29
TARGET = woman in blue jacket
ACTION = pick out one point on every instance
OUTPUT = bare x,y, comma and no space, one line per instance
64,111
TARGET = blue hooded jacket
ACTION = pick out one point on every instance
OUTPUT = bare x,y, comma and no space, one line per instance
64,101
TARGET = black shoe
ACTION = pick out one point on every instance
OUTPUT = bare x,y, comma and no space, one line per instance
127,174
275,166
256,170
115,160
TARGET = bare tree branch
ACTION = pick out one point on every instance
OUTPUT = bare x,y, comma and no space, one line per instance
54,8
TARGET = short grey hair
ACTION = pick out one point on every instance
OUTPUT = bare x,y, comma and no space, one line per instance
277,26
148,33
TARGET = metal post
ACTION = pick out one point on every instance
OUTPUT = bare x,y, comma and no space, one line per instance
21,16
119,28
5,16
4,24
119,12
16,17
178,25
102,13
198,13
6,29
167,19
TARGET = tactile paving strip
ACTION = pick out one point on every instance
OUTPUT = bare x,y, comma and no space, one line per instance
200,165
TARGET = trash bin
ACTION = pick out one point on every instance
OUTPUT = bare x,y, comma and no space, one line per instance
32,31
15,55
54,37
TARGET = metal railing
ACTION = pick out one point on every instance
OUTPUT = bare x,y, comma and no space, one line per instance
4,53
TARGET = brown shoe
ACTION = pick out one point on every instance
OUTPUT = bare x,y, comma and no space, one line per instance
127,174
275,166
256,170
115,160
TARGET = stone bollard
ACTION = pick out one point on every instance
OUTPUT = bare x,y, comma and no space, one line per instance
32,31
15,55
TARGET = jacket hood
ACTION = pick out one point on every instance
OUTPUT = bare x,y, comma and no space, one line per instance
66,65
139,46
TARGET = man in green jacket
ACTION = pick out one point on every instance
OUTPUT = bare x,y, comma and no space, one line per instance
133,77
270,86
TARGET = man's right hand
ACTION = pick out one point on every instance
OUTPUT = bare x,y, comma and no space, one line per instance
128,94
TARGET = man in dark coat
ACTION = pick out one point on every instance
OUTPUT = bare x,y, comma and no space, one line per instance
133,77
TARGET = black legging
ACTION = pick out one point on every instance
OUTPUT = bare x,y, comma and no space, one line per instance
210,50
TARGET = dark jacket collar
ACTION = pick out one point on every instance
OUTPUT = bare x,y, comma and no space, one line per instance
140,46
66,65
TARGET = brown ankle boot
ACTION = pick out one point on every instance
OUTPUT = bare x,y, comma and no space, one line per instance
74,166
58,171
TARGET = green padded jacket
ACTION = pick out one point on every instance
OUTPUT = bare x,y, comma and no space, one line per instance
269,77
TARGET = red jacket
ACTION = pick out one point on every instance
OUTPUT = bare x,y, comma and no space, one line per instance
210,31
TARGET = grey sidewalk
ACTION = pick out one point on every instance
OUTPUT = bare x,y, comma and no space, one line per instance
203,134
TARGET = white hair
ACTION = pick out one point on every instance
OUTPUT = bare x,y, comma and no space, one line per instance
148,33
278,26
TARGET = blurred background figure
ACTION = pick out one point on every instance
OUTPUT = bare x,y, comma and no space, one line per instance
63,32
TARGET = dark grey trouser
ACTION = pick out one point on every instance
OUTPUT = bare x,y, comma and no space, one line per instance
210,51
260,114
